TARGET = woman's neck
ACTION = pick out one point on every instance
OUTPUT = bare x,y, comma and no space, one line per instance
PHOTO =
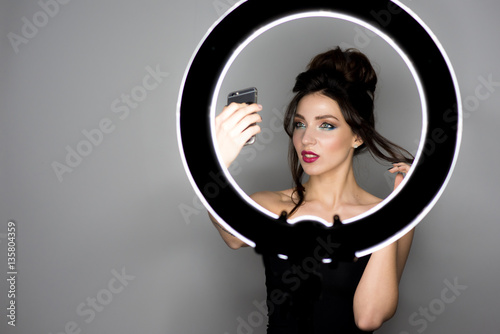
333,189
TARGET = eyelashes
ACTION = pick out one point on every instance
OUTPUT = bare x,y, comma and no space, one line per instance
323,126
299,125
327,126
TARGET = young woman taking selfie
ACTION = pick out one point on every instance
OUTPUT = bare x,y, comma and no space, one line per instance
329,121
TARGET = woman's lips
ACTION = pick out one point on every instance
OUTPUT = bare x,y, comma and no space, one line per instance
309,157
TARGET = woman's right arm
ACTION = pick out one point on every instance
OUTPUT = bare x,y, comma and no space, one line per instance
234,126
230,239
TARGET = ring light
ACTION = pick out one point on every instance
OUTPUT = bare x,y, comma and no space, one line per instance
388,221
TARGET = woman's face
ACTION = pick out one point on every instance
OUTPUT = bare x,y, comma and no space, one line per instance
321,137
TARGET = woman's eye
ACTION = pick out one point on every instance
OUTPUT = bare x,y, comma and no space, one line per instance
299,125
327,126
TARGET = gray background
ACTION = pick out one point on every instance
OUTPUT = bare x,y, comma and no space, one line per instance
127,209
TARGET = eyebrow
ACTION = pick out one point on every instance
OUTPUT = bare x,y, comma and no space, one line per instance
320,117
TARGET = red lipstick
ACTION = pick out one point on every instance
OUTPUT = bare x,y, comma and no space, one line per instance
309,157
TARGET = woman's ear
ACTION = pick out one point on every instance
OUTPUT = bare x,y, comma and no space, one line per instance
357,142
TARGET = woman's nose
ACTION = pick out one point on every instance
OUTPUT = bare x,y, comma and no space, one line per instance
308,138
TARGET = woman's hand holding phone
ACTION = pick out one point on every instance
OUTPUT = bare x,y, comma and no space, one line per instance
234,126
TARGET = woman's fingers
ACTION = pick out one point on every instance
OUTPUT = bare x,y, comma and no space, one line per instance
248,125
249,132
235,125
239,116
240,123
401,169
397,181
235,113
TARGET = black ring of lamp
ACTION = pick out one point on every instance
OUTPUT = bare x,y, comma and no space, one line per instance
397,214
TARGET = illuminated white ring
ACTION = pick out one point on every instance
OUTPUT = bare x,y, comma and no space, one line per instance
397,214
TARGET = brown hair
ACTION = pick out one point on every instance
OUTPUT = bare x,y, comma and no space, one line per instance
348,78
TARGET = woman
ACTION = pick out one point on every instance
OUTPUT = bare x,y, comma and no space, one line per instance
330,120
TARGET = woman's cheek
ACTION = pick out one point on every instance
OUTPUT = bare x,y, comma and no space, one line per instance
297,139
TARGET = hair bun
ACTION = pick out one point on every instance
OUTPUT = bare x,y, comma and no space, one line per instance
353,65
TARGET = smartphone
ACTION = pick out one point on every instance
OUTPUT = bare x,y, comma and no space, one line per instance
247,95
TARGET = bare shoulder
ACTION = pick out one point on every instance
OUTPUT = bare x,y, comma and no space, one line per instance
365,201
370,199
274,201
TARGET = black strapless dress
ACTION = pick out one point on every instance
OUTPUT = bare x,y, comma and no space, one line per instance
290,286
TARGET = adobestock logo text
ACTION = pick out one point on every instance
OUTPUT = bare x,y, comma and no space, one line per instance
121,107
31,26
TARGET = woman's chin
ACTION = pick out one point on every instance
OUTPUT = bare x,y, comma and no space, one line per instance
311,170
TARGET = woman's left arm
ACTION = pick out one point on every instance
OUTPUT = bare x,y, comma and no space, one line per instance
404,243
376,297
